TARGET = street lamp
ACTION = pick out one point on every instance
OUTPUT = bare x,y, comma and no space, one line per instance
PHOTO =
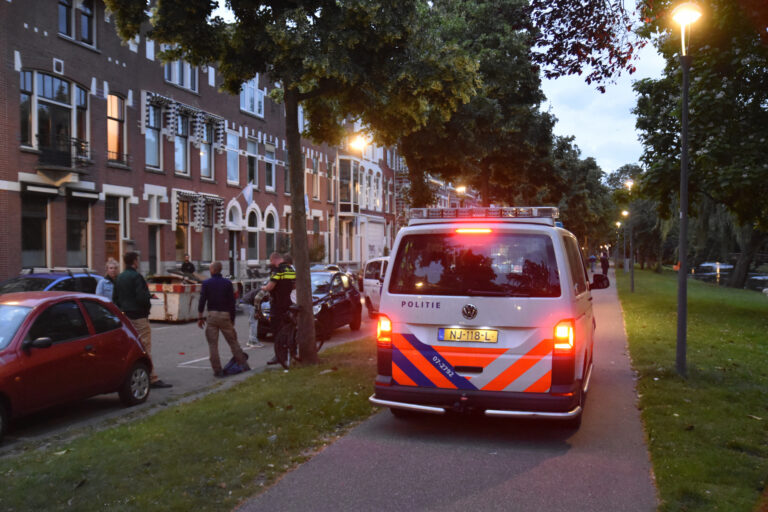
684,14
618,233
358,143
625,214
629,184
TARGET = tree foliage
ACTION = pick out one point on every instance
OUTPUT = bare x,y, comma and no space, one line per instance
728,125
383,63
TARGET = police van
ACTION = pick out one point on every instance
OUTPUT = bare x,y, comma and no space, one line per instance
486,310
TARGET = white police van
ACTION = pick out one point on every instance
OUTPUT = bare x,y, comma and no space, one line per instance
486,310
374,271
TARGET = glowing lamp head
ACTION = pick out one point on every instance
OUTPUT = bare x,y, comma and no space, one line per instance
624,213
618,224
686,13
357,143
629,184
461,189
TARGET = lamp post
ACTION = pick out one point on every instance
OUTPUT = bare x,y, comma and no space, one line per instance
625,214
629,184
616,252
684,14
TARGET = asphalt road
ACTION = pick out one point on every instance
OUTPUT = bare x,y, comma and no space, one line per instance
448,463
180,355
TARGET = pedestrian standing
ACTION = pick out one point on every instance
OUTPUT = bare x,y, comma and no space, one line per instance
280,286
131,295
219,295
187,267
249,300
592,260
604,262
107,285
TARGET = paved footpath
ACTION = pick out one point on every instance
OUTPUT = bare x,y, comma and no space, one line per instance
445,463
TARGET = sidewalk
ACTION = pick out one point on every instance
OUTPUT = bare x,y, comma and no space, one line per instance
444,463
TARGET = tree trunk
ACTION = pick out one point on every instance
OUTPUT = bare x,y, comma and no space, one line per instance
750,241
306,327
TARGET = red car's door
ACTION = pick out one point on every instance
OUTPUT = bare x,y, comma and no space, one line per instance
112,346
58,373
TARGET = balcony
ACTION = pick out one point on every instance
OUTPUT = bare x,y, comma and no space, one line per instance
66,155
114,157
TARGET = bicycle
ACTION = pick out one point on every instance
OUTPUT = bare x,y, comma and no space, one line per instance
286,346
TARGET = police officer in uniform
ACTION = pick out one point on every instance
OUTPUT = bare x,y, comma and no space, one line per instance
280,285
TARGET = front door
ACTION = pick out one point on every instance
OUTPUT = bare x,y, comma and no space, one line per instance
152,249
233,253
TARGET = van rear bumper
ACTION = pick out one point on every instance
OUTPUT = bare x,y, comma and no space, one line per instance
490,403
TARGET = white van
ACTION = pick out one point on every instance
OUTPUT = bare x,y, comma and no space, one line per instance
373,277
486,310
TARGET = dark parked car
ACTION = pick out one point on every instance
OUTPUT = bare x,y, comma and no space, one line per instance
57,347
336,302
61,281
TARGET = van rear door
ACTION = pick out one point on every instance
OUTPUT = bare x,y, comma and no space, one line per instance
474,309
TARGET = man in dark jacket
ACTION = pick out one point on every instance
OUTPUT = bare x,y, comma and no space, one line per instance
131,295
219,295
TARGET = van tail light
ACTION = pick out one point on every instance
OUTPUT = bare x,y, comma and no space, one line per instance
473,231
564,336
384,332
384,351
563,357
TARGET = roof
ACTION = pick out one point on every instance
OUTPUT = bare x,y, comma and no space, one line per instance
32,299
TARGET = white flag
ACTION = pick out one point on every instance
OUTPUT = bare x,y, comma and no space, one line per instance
248,193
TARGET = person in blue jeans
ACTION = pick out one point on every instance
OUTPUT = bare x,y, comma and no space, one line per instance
249,301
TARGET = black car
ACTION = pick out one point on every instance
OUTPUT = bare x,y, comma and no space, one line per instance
335,302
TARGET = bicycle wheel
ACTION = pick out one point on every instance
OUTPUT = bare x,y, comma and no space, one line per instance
283,348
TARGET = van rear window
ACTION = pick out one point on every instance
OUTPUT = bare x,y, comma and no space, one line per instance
503,264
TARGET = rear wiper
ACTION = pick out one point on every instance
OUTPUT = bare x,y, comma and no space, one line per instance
494,293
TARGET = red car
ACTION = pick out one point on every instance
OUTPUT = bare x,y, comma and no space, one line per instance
57,347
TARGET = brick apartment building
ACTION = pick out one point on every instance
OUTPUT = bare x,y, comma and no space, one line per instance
105,149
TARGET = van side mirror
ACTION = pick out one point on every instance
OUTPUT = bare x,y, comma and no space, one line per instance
600,282
45,342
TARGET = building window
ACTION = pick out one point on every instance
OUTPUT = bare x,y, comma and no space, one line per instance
25,104
315,178
252,98
182,229
77,233
152,138
81,122
253,236
180,149
54,113
86,21
269,168
344,181
233,157
182,74
206,153
116,129
270,229
330,174
253,163
112,230
208,233
65,17
287,178
34,222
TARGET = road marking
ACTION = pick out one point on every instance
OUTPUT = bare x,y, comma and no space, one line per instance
189,364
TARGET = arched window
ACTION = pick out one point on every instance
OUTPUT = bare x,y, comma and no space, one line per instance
253,236
269,225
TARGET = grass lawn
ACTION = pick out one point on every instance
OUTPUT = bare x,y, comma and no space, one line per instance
206,455
708,434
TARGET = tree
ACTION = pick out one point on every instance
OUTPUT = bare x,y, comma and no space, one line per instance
382,63
728,118
498,140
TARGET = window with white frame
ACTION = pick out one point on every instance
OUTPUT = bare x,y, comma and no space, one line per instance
206,153
252,227
303,121
53,110
152,144
270,228
77,23
377,191
181,146
269,167
34,236
252,98
181,73
233,157
315,178
253,163
207,253
116,129
330,172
